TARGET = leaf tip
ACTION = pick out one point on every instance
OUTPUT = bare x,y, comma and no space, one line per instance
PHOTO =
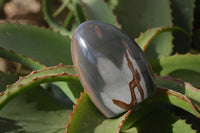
123,120
60,65
1,93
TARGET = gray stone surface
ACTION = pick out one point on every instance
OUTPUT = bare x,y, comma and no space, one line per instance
112,68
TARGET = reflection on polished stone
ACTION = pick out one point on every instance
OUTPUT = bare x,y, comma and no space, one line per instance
112,68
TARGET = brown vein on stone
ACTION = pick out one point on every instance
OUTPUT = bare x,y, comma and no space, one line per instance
134,83
126,46
90,25
98,32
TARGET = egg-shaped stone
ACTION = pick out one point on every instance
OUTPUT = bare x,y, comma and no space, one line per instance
112,68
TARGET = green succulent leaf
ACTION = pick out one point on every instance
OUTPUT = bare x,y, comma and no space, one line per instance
179,86
145,38
183,16
86,118
37,43
28,62
160,121
169,91
98,10
35,66
51,74
149,41
79,15
34,43
160,46
112,3
184,67
183,13
34,111
137,16
52,21
26,113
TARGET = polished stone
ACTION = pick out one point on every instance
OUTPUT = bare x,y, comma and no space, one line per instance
112,68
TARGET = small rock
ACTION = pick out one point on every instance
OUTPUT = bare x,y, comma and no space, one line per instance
112,67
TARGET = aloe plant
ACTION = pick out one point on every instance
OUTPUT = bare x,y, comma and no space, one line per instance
51,98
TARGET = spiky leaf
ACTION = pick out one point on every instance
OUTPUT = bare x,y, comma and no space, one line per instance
98,10
86,118
13,56
184,67
183,16
149,41
169,91
37,43
136,16
160,121
52,21
59,73
34,111
183,13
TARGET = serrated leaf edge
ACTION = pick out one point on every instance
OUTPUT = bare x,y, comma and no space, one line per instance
87,18
25,57
116,20
158,30
77,104
178,95
74,109
54,26
10,94
182,83
123,120
173,113
7,21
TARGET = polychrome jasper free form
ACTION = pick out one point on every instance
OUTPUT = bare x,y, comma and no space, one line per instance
112,68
